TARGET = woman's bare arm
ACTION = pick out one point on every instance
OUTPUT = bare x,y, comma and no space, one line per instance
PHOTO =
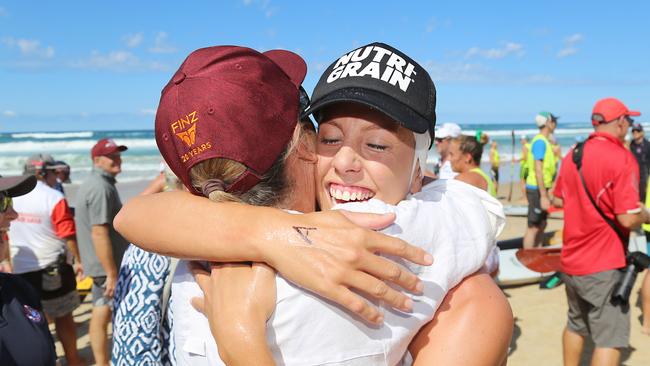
238,299
324,252
473,326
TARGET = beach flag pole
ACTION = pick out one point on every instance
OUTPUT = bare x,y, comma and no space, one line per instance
512,166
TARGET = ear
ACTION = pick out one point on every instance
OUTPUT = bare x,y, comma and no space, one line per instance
416,182
307,147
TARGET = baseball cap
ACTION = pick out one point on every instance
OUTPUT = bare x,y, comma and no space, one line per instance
608,109
543,117
17,185
39,162
637,127
448,129
384,78
105,147
230,102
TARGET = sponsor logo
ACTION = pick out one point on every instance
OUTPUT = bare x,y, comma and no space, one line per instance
185,128
377,63
32,314
195,151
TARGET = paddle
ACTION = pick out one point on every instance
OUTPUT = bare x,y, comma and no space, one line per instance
512,166
541,260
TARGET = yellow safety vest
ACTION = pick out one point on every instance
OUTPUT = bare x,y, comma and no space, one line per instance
490,183
549,166
495,159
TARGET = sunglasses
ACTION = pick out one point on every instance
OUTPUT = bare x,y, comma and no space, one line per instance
5,202
599,118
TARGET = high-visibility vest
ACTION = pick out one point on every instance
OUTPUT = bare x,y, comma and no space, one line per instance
549,166
490,183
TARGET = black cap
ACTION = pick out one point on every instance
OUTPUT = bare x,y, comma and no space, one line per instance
17,186
383,78
637,126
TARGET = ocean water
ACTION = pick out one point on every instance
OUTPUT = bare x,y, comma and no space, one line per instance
142,160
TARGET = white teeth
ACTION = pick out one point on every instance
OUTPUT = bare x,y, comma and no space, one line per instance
349,196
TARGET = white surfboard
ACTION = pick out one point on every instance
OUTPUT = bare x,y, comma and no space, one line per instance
513,272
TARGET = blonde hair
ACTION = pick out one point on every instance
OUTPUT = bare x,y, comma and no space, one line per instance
272,189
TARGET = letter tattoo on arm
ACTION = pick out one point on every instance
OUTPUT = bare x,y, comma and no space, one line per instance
304,233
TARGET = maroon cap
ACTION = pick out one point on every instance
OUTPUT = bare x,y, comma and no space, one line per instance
230,102
105,147
609,109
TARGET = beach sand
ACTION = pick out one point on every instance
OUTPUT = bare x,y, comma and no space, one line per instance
540,315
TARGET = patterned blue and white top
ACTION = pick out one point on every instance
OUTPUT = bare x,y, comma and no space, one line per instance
140,337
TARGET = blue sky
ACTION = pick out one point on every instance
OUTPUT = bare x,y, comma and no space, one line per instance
87,65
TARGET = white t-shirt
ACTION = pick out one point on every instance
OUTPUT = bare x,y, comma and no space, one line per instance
446,172
37,235
305,329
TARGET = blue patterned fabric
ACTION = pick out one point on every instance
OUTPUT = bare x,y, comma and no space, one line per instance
139,336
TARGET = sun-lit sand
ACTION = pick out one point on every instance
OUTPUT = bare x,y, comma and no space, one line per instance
540,315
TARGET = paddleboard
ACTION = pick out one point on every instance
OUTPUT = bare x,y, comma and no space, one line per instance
515,210
513,272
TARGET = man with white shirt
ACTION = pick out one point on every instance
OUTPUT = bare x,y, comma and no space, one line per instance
444,134
42,239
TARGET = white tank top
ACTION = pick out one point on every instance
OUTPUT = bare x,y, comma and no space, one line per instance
306,329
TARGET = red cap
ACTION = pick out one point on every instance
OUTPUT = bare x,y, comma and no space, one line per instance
230,102
105,147
609,109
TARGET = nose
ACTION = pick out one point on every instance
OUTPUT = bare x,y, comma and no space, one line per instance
346,161
10,214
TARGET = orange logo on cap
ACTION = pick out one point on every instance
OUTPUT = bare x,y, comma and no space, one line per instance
185,128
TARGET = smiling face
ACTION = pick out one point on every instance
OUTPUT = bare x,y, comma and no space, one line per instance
363,154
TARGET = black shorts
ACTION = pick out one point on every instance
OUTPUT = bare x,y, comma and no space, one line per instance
495,174
536,216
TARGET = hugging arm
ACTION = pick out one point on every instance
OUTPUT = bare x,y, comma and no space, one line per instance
237,299
324,252
473,326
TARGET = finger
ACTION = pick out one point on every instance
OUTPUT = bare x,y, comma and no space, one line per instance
380,290
198,303
357,305
385,269
389,245
201,276
369,220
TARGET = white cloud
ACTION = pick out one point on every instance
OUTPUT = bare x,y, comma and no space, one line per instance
566,51
29,47
263,6
117,61
133,40
509,48
161,45
9,113
570,43
476,73
574,38
147,112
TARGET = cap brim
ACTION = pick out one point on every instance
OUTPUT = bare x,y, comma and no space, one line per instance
18,185
399,112
633,113
292,64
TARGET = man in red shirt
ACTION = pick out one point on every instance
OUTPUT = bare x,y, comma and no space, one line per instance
592,251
